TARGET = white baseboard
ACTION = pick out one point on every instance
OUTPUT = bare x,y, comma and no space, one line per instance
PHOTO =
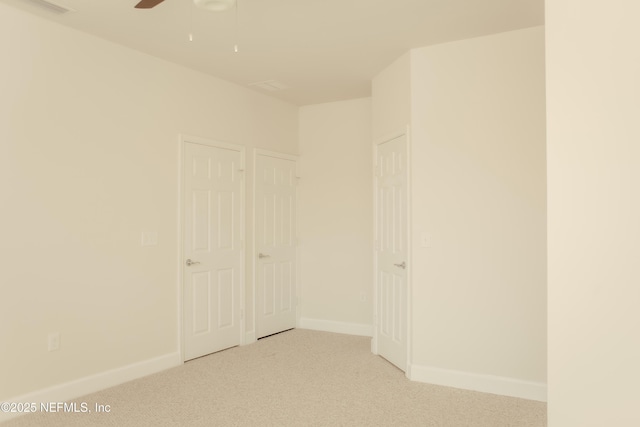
93,383
338,327
249,338
485,383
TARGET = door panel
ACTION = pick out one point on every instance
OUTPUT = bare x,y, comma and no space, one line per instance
391,254
275,214
212,285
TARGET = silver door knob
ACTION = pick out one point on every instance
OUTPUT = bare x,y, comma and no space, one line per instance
190,263
403,265
262,256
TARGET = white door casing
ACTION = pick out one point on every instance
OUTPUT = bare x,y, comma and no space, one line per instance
213,240
392,251
275,242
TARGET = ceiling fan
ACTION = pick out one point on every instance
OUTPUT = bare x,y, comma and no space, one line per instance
212,5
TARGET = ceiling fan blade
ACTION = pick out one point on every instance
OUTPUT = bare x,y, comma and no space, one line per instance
148,4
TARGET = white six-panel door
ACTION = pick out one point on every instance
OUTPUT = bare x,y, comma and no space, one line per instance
391,251
213,191
275,243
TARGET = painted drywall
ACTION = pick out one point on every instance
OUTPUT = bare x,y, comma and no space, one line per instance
335,214
89,151
478,158
391,95
476,115
593,154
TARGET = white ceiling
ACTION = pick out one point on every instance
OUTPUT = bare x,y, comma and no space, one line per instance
323,50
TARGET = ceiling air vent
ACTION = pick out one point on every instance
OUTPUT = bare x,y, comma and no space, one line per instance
51,6
270,85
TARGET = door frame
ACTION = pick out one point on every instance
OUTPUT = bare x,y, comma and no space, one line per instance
261,152
183,140
409,275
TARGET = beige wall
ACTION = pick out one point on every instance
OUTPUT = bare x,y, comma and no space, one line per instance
476,113
593,94
335,215
88,160
478,136
391,95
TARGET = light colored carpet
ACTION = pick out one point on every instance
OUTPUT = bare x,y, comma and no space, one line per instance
297,378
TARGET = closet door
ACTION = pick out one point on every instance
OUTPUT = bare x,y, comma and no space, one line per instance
275,242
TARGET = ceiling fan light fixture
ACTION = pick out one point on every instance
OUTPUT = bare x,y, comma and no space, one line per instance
215,5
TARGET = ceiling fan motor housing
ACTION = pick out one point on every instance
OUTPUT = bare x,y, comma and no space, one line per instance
215,5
